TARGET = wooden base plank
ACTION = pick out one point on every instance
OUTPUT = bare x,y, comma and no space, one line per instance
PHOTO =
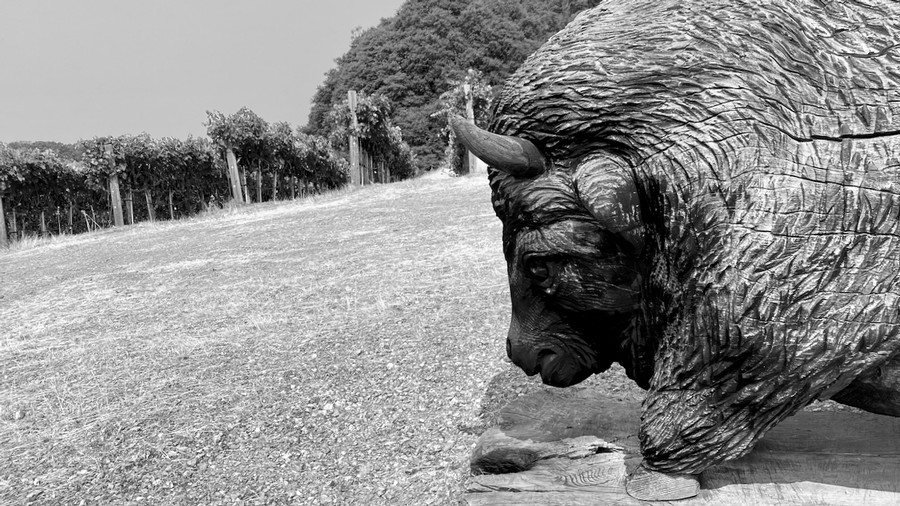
653,486
576,447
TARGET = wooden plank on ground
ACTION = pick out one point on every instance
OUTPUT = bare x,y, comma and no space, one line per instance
576,446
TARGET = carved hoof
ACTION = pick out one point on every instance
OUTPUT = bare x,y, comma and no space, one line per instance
647,485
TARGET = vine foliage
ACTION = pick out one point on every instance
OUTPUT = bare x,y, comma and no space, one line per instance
160,177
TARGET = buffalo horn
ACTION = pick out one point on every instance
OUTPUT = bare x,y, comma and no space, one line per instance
513,155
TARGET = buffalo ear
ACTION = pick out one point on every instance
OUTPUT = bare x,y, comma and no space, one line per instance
512,155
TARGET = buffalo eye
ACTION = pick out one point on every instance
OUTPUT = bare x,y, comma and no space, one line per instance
539,269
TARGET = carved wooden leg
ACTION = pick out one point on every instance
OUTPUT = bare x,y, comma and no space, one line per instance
646,485
684,432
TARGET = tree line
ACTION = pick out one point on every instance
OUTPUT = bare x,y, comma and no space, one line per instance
416,56
55,188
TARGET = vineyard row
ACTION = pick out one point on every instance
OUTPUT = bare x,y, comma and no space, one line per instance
125,179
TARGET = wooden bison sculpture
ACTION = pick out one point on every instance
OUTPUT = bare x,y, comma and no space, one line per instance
707,192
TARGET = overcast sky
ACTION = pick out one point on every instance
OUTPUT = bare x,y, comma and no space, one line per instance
78,69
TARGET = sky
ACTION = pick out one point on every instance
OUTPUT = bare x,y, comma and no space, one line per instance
73,70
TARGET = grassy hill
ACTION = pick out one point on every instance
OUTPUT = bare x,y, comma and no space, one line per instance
338,349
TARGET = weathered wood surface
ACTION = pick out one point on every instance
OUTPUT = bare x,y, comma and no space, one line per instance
575,447
129,206
355,175
713,203
234,176
116,196
114,193
4,237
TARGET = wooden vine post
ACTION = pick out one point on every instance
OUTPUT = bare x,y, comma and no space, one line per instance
14,226
148,197
274,186
4,238
244,186
475,165
129,206
355,174
363,163
365,166
384,173
258,182
233,175
118,219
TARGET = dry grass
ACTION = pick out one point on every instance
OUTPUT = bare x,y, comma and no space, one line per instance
336,349
344,349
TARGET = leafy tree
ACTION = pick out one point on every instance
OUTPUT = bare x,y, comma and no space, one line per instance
69,152
413,58
163,170
43,183
243,130
324,168
97,162
455,102
280,141
376,131
194,174
260,147
177,177
242,136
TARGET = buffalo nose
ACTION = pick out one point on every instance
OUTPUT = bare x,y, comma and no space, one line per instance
526,359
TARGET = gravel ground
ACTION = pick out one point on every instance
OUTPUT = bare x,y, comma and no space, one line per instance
341,350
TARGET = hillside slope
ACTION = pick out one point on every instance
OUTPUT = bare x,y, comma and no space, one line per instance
337,349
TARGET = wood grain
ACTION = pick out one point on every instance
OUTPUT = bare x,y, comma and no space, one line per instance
832,458
720,213
649,485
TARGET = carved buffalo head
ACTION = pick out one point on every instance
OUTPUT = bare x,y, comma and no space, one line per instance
587,150
578,257
656,146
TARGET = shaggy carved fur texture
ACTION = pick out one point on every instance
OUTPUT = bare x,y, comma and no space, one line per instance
721,212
